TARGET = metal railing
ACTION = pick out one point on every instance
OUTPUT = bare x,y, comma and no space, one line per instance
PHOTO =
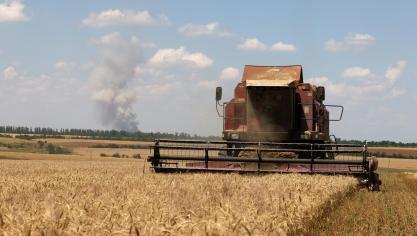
323,105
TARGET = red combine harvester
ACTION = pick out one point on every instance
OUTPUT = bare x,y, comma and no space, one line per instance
275,123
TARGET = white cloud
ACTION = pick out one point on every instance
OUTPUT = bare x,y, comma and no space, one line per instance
393,72
334,46
283,47
354,72
111,38
87,66
67,69
378,87
354,42
64,66
160,90
360,39
148,45
332,88
124,17
38,94
10,73
211,28
397,92
229,73
171,56
357,92
255,44
143,71
252,44
208,84
12,11
26,86
116,39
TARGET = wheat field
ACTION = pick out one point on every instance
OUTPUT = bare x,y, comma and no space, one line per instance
51,197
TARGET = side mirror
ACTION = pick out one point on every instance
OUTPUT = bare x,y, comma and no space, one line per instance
218,94
321,93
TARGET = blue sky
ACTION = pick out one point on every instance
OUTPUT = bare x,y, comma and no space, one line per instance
155,64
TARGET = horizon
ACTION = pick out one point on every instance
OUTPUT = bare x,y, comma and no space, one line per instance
60,131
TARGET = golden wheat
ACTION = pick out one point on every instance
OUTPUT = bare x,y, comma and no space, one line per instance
107,197
392,211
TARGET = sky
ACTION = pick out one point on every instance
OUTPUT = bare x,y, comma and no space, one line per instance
154,65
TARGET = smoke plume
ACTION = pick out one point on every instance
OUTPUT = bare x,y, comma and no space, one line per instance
111,83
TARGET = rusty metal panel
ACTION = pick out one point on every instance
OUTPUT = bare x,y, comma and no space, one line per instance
288,73
235,115
306,109
240,91
229,115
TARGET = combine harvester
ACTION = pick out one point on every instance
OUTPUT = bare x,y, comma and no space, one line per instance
275,123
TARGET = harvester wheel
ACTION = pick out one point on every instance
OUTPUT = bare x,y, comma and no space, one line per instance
374,182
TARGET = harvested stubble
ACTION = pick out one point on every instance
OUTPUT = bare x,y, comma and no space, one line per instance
102,198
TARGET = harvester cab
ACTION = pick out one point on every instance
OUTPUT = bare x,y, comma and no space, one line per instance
275,123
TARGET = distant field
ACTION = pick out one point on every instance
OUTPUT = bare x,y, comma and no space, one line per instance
79,148
398,164
76,143
390,151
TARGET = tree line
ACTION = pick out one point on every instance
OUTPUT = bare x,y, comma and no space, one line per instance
27,132
383,143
